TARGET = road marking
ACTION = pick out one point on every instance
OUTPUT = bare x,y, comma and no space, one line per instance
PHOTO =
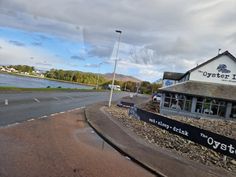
56,98
43,117
80,108
53,114
6,101
16,123
70,97
35,99
10,125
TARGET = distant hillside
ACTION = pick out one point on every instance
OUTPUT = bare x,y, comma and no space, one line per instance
121,77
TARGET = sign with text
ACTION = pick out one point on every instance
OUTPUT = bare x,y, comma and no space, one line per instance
222,73
216,142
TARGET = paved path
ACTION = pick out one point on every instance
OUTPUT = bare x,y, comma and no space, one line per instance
159,160
22,106
62,145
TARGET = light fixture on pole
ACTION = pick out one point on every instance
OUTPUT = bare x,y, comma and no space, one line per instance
114,72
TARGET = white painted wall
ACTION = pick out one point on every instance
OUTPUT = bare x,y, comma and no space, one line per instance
209,72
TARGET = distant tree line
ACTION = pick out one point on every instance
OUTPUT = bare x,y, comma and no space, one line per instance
75,76
92,79
23,68
143,87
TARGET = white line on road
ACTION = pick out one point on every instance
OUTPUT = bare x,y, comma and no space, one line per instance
54,114
80,108
6,101
43,117
70,97
11,125
56,98
35,99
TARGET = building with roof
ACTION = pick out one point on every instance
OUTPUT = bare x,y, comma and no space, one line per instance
208,90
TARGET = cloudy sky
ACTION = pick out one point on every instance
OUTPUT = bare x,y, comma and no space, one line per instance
157,35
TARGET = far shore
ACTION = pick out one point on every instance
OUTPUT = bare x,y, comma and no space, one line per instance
6,89
46,78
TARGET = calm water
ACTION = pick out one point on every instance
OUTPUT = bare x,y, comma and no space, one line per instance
8,80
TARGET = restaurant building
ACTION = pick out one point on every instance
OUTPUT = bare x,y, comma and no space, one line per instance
208,90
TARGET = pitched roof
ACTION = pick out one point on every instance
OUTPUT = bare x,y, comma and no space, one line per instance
172,75
203,89
208,61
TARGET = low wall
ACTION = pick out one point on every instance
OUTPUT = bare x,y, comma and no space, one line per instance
216,142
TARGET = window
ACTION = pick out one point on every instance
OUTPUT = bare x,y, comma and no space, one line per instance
199,105
188,103
210,106
168,98
178,102
233,111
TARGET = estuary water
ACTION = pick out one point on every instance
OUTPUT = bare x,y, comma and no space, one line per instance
8,80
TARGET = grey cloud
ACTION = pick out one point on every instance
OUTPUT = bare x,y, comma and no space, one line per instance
175,32
91,65
232,38
96,65
77,57
36,43
101,51
43,64
17,43
43,37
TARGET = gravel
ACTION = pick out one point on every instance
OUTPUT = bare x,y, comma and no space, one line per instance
219,126
177,144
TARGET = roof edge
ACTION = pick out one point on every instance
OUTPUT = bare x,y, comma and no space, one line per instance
227,53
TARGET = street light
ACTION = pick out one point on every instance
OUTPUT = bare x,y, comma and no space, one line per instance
114,72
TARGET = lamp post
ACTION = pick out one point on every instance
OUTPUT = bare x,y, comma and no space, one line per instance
114,72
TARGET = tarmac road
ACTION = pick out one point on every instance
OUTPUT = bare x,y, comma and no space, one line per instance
21,106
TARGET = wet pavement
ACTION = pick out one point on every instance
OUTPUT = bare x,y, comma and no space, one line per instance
159,160
62,145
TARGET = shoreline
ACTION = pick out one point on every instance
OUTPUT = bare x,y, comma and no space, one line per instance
46,78
20,89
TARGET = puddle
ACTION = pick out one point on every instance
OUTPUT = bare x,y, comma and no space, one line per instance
89,137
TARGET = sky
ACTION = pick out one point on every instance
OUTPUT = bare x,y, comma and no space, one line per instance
157,35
